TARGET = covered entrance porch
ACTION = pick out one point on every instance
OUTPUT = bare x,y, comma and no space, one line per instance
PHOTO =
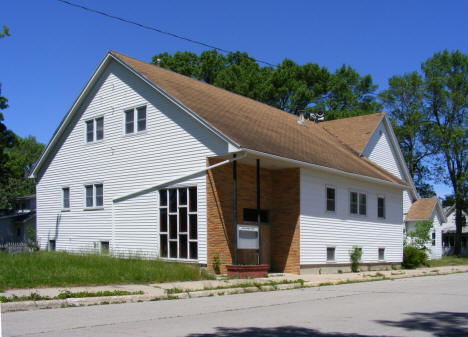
262,194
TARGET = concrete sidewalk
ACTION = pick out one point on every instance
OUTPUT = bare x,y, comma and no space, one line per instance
221,286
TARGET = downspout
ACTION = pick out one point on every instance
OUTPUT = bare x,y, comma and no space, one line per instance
258,215
234,206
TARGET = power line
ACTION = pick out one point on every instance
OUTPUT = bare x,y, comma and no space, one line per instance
156,30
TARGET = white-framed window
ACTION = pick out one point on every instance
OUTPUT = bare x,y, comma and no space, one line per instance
178,223
433,239
381,206
135,120
330,194
357,203
381,254
65,198
331,254
94,195
95,129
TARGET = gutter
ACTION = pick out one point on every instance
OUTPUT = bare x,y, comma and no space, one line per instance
175,180
328,169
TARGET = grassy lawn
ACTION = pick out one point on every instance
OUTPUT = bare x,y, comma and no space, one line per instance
57,269
448,261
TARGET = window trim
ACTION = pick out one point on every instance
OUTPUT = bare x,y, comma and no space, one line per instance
135,120
381,196
66,209
93,207
359,193
326,198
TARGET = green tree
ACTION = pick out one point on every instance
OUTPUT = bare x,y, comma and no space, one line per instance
420,236
404,102
6,136
446,78
21,157
349,94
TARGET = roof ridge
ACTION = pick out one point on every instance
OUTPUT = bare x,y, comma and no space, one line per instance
207,84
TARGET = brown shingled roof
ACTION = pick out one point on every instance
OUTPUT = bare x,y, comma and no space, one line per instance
354,131
257,126
421,209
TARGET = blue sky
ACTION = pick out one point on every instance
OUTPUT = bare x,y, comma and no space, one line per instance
54,48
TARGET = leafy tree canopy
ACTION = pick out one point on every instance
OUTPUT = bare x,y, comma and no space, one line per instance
404,102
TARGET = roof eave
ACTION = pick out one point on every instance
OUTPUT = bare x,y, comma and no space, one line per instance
329,169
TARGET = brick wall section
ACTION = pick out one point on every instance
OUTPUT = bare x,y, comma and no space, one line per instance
284,210
285,254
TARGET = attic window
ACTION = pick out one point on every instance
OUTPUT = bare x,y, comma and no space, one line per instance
95,129
137,124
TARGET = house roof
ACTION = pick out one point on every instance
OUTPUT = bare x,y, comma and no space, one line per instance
422,209
354,131
260,127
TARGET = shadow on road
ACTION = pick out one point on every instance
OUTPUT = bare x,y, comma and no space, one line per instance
282,331
442,323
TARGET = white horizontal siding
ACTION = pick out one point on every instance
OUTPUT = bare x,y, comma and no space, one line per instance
173,145
380,151
321,229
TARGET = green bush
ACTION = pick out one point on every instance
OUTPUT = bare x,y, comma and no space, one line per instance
414,257
216,263
355,255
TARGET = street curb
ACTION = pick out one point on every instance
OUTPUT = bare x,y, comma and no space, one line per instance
256,287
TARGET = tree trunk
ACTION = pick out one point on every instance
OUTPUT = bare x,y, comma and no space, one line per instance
459,222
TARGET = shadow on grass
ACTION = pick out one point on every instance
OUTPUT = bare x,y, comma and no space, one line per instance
442,323
282,331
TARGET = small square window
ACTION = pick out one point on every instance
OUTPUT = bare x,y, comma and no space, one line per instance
51,245
105,247
381,254
135,120
66,197
330,199
330,254
381,207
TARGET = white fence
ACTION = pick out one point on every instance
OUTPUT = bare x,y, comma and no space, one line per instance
16,247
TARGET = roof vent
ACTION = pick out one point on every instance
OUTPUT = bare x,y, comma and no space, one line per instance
317,116
301,118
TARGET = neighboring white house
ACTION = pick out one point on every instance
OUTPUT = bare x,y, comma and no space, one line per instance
449,230
428,209
148,162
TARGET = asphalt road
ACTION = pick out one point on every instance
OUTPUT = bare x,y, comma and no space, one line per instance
423,306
